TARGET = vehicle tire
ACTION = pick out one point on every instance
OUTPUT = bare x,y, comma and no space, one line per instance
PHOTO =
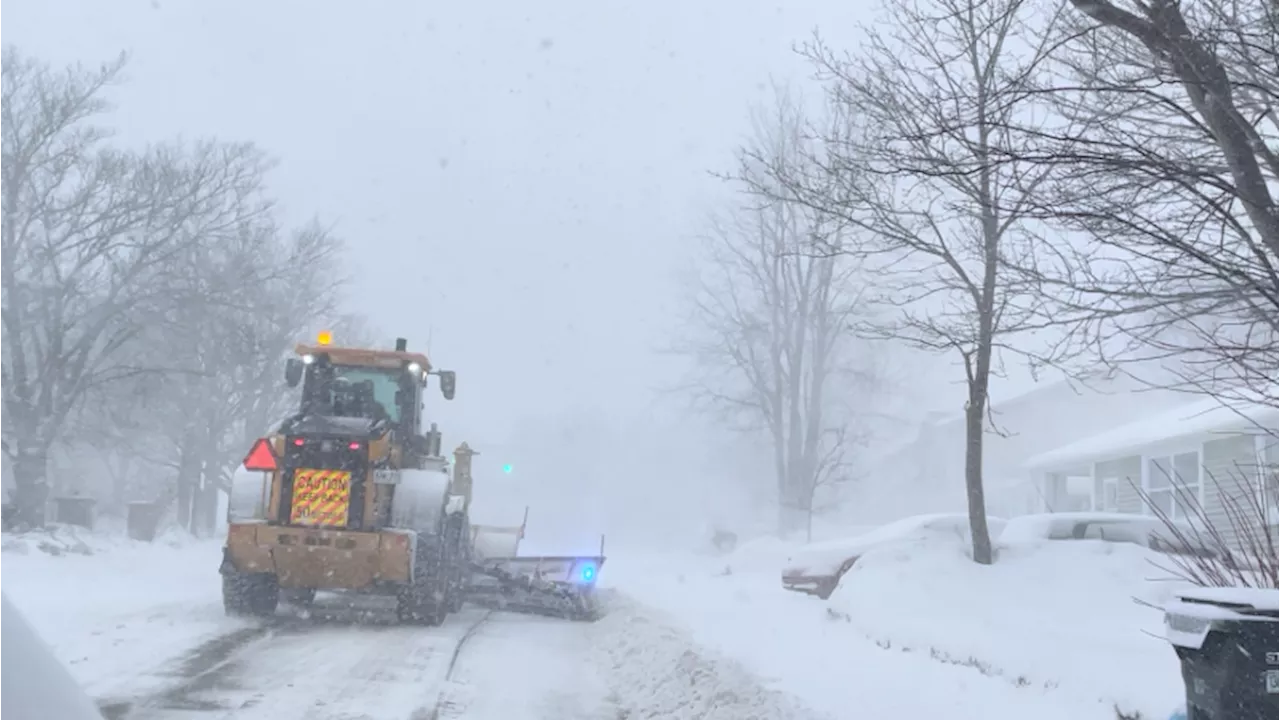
457,596
458,562
424,601
255,594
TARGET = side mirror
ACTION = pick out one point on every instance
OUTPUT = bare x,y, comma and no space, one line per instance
448,383
293,372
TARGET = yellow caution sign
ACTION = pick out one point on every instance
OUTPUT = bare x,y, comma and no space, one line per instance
321,498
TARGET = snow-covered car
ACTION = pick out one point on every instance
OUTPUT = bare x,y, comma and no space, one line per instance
34,685
816,569
1168,537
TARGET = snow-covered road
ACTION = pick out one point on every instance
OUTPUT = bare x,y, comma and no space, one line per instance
519,667
314,670
479,665
141,628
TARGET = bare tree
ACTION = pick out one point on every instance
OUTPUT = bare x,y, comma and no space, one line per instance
238,307
87,234
1165,163
769,324
914,162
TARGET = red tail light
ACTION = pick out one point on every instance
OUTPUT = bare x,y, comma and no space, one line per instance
299,442
354,446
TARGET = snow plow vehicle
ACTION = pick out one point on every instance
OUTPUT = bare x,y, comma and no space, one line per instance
356,498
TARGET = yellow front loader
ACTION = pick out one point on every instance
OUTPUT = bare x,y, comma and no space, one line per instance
355,495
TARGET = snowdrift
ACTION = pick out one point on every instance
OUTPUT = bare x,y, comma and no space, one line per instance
916,629
829,557
1072,617
656,671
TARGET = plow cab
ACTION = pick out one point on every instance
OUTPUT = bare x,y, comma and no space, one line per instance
553,585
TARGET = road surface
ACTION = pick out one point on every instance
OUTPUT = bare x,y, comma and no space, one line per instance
479,665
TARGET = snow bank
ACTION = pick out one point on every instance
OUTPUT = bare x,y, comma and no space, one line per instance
1062,617
58,540
760,554
656,671
826,558
113,609
918,630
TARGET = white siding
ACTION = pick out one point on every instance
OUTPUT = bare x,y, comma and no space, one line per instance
1046,418
1231,483
1126,473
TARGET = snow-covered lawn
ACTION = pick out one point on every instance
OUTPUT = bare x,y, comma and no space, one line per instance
121,612
918,631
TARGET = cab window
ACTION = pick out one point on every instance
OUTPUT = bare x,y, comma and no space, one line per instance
384,384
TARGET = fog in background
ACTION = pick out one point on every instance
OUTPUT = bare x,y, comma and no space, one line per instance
519,187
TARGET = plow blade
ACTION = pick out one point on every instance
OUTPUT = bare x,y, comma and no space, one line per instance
556,586
496,541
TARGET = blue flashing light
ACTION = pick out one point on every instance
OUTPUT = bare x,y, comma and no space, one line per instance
588,573
507,468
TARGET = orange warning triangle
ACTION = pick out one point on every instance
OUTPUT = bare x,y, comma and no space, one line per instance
261,457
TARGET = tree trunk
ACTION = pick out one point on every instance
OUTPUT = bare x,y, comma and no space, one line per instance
973,418
204,511
188,480
980,368
31,487
121,482
791,515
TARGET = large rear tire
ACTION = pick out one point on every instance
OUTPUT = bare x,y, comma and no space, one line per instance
253,594
458,561
424,601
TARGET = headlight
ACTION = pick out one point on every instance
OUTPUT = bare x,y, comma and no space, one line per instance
415,368
308,359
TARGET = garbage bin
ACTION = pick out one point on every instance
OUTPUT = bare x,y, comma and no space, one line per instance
75,510
143,520
1227,641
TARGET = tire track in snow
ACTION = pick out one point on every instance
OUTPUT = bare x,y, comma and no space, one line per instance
314,670
201,662
525,667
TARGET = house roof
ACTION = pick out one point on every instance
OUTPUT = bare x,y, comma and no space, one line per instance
1202,417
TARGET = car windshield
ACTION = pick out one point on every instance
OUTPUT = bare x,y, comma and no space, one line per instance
376,326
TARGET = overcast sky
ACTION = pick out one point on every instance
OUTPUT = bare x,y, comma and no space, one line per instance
517,181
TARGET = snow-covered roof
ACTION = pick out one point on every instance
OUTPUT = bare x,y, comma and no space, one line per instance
1202,417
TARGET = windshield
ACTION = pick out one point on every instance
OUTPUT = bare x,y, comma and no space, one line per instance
333,341
347,391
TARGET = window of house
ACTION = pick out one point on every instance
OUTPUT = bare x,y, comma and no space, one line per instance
1173,484
1269,453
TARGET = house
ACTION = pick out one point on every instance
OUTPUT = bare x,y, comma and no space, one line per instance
1218,453
927,472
